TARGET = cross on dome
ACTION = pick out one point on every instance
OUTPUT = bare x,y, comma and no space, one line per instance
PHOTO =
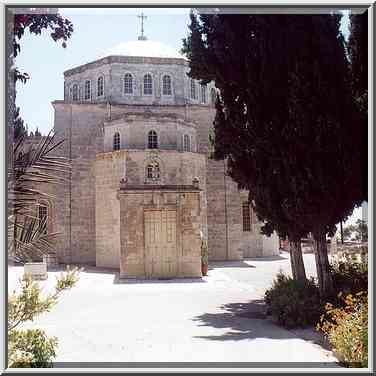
142,17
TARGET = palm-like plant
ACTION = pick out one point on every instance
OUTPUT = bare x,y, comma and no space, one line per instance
33,169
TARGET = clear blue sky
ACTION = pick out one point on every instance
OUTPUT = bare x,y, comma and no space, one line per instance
95,31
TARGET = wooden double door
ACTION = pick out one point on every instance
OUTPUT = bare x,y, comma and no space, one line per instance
161,258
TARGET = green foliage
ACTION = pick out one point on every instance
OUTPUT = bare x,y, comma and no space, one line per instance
29,302
286,121
36,22
346,327
34,168
32,348
293,303
349,277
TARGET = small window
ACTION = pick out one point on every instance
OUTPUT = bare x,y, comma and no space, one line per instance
193,90
153,171
166,85
128,84
100,86
203,93
246,216
148,85
186,143
213,95
116,141
43,217
152,140
87,90
75,92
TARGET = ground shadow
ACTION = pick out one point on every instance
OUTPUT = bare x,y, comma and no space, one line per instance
133,281
229,264
267,258
249,321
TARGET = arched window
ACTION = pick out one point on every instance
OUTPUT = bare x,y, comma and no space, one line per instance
153,171
87,90
100,86
203,94
193,90
128,84
75,92
213,95
43,218
186,143
166,85
116,141
148,85
246,216
152,140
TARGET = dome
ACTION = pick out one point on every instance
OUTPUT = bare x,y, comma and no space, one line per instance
144,48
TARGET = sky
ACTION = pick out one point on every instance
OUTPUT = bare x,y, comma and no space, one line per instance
95,32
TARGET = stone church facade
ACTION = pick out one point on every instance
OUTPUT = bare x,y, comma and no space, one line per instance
143,192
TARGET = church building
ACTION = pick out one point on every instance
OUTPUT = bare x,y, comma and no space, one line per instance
143,191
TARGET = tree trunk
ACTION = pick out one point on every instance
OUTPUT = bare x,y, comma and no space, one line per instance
297,264
322,264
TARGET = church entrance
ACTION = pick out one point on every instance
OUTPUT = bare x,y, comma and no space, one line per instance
160,243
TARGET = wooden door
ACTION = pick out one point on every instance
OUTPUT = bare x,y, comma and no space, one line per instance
160,243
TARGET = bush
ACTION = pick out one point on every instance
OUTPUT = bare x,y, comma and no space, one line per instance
293,303
31,348
346,328
349,277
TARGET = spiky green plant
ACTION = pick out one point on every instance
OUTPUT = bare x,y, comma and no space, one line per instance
34,169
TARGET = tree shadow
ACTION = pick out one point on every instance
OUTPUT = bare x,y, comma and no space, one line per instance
245,321
267,258
229,264
135,281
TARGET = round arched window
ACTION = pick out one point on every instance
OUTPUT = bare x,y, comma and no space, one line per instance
152,140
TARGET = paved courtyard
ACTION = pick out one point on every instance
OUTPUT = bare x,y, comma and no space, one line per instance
219,318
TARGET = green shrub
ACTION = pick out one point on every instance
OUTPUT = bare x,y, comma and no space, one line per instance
349,277
293,303
31,348
346,328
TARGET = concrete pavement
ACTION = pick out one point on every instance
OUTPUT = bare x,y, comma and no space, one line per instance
219,318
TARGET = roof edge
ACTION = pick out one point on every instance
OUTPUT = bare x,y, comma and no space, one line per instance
126,59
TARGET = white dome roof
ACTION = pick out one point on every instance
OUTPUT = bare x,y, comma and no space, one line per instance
143,48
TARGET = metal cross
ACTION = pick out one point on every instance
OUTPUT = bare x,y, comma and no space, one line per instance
143,17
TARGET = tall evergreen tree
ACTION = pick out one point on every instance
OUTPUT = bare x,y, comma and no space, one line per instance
285,118
358,54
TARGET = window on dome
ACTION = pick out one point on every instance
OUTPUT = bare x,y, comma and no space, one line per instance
116,141
128,84
87,90
152,140
193,90
75,92
100,86
148,85
203,93
166,85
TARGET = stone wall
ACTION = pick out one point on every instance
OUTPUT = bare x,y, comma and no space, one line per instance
84,125
176,168
135,259
113,69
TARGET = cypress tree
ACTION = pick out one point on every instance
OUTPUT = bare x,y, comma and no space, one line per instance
285,119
